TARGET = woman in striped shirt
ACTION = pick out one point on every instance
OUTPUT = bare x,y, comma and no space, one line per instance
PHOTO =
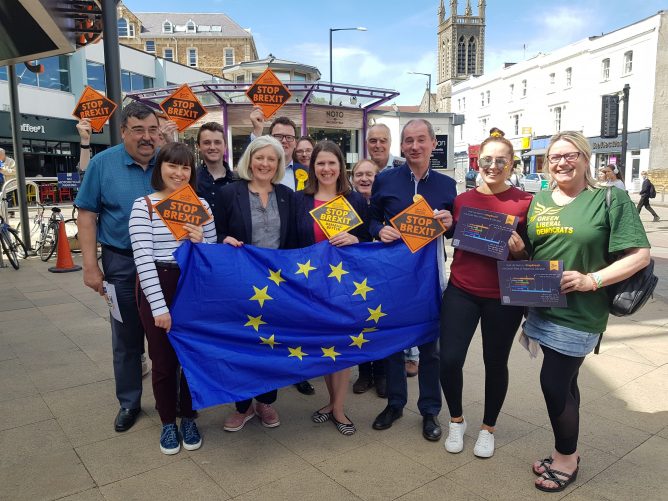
158,272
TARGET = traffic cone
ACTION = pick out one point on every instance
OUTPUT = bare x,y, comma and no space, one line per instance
64,261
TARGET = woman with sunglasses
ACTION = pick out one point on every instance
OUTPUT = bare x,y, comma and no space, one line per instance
473,297
573,223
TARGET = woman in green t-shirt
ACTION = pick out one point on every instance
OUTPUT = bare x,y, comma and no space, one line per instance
573,223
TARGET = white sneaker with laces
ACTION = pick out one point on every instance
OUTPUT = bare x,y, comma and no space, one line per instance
484,446
455,441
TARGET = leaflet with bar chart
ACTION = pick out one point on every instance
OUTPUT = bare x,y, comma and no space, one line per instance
531,283
484,232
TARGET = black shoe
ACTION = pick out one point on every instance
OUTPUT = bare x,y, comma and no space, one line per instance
305,388
431,428
362,384
125,419
387,417
381,386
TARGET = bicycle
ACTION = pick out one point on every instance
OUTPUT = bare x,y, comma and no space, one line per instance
11,243
48,238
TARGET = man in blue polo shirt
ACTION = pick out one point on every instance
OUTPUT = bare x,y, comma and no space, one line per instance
393,191
114,179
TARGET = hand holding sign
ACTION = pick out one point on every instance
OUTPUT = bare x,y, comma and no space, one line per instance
95,107
418,225
335,217
183,213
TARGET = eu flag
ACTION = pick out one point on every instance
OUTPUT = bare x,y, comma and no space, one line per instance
249,320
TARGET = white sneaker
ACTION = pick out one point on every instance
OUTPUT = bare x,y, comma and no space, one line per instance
145,368
455,441
484,446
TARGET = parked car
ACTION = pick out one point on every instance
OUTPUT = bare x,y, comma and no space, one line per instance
535,182
470,179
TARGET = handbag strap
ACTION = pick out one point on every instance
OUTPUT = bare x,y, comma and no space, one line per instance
149,206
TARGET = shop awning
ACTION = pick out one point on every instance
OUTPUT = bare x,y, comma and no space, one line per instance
535,153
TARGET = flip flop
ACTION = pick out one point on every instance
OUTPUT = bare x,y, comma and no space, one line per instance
544,463
561,483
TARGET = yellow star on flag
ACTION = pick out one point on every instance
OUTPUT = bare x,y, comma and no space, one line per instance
375,314
254,322
362,289
358,340
275,276
305,268
297,352
337,271
369,329
269,341
329,352
260,295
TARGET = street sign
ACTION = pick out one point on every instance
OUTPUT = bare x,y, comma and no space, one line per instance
336,216
94,106
68,180
439,157
182,206
609,115
417,225
269,93
183,107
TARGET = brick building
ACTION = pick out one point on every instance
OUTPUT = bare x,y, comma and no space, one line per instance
206,41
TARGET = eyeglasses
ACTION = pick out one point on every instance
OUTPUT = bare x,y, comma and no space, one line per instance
500,163
569,157
141,131
302,152
281,137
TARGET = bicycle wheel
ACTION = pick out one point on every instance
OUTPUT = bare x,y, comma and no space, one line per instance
49,244
72,232
18,244
7,249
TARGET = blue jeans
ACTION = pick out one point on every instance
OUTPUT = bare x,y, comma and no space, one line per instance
429,401
127,337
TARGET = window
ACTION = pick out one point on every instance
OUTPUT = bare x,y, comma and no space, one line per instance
131,30
557,118
471,56
511,91
628,62
461,56
482,99
167,27
569,76
299,77
524,88
123,28
483,125
487,97
191,27
150,46
605,70
192,57
229,57
516,124
134,81
56,74
95,76
168,53
459,104
552,78
239,79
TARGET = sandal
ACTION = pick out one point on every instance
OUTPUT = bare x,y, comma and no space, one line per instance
545,463
321,417
561,483
346,429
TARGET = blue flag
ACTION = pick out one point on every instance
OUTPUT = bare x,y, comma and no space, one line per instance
248,320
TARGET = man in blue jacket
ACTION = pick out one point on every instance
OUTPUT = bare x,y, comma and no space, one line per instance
393,191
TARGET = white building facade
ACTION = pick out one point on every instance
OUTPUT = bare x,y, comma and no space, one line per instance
533,99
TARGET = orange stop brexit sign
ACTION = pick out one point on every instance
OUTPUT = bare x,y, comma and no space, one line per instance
182,206
417,225
94,106
269,93
183,107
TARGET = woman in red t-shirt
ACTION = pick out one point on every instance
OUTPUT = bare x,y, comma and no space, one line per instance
472,297
326,180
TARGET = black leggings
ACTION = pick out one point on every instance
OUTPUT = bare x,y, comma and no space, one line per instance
460,313
559,381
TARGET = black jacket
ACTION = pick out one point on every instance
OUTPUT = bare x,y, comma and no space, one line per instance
232,213
646,185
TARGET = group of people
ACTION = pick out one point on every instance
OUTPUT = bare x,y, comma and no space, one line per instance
266,203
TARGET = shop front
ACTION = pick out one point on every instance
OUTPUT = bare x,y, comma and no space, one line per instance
608,151
474,154
533,159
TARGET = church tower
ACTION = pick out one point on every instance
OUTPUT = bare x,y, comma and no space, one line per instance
461,48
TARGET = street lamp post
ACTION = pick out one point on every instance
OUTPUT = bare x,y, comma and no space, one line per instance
428,75
332,30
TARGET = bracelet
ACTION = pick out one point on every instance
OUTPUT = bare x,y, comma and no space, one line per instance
596,279
84,146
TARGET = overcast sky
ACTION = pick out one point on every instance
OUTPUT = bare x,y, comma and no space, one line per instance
402,35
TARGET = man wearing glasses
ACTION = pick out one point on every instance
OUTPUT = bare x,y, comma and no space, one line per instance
114,179
285,131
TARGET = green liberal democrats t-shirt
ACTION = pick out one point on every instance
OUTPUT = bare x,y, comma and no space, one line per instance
583,234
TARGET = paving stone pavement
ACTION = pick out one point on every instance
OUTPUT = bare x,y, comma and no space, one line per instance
57,405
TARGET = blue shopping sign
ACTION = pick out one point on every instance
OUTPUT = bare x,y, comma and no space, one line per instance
68,180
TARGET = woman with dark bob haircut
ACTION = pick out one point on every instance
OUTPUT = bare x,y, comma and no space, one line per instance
152,246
